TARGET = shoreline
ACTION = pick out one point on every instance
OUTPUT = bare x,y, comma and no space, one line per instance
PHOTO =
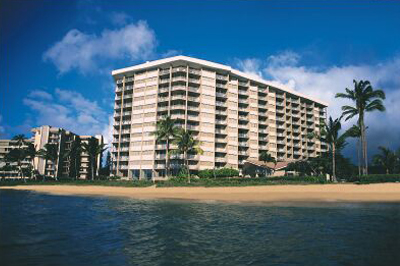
383,192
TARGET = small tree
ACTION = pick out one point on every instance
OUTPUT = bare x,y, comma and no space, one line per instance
386,159
267,158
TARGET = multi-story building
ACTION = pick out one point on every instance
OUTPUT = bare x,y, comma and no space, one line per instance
234,115
63,139
6,145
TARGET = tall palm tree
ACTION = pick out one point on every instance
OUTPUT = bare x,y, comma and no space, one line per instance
366,99
187,144
74,155
355,132
330,133
19,140
93,149
166,130
267,158
31,154
50,153
386,159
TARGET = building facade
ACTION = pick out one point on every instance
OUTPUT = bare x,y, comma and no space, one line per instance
63,139
11,169
234,115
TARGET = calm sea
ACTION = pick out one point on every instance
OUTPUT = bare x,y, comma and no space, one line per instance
37,229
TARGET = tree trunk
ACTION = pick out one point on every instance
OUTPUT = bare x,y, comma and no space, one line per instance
361,126
333,164
21,173
54,170
366,149
187,166
92,164
33,170
358,156
167,159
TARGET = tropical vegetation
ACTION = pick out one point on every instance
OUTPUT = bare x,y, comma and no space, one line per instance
366,99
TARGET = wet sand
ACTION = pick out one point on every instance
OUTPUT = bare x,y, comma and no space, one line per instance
387,192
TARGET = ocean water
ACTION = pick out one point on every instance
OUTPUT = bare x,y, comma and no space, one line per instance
39,229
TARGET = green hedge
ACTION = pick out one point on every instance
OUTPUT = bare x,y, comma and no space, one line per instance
220,172
374,179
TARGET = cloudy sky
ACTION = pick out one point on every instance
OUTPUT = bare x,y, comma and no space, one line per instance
56,56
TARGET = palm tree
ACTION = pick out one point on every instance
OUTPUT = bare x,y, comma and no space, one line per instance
267,158
336,142
387,159
93,149
50,153
74,155
187,144
366,99
166,130
16,156
20,140
31,153
355,132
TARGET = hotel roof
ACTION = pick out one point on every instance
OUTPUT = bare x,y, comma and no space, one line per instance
200,62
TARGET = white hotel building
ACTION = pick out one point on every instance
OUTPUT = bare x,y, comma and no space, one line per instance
234,115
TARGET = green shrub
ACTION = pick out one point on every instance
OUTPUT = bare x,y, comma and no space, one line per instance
384,178
220,172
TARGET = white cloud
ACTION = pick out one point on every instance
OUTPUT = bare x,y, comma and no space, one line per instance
88,52
384,127
119,18
69,110
251,66
2,129
41,94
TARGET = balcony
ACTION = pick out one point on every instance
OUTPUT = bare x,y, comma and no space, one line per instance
220,131
220,122
219,94
263,131
241,135
178,97
221,77
194,71
163,81
193,89
243,144
220,159
178,69
162,90
242,126
196,81
222,104
179,78
243,83
220,149
192,127
242,152
178,87
164,71
219,85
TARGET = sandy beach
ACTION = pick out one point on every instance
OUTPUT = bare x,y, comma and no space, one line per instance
388,192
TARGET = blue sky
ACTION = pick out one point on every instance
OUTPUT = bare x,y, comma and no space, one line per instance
56,56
